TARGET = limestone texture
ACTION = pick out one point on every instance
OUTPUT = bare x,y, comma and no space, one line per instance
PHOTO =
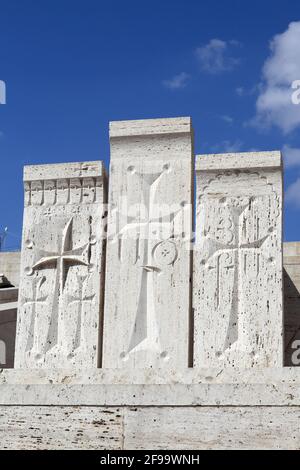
238,289
62,262
147,311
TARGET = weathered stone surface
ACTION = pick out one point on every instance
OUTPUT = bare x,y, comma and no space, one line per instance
150,409
147,302
291,261
212,428
61,295
181,428
38,428
238,261
189,387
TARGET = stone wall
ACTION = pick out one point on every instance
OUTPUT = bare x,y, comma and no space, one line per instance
291,260
159,428
189,339
115,409
10,266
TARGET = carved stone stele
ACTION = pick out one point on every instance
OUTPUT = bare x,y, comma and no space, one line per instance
62,261
147,295
238,261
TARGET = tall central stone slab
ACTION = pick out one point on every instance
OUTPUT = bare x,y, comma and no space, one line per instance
61,286
147,301
238,261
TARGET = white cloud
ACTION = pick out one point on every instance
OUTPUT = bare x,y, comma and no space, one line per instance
291,156
292,195
227,146
215,57
178,81
240,91
274,105
227,118
2,92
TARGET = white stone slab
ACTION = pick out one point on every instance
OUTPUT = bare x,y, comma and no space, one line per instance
66,428
147,299
161,428
238,261
162,376
61,295
211,428
104,387
238,161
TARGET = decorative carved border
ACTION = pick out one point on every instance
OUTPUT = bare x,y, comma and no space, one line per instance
63,191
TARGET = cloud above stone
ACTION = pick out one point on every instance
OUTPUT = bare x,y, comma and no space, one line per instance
291,156
177,82
217,56
227,146
292,195
226,118
274,106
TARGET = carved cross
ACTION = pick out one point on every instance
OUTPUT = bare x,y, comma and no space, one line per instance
34,300
65,257
145,334
81,298
237,249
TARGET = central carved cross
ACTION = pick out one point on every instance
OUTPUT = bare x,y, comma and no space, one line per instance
145,334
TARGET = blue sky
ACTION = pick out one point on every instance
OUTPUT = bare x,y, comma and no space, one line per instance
72,66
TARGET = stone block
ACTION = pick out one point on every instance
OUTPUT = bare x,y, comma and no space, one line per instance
62,261
238,295
147,305
10,266
64,428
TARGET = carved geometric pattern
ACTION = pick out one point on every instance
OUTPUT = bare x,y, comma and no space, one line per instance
66,191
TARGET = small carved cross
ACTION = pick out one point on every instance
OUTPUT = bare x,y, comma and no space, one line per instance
34,300
81,298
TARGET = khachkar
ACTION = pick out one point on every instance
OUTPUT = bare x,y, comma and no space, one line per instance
147,301
238,260
61,295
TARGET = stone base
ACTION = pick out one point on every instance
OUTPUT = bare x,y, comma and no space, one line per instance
112,409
